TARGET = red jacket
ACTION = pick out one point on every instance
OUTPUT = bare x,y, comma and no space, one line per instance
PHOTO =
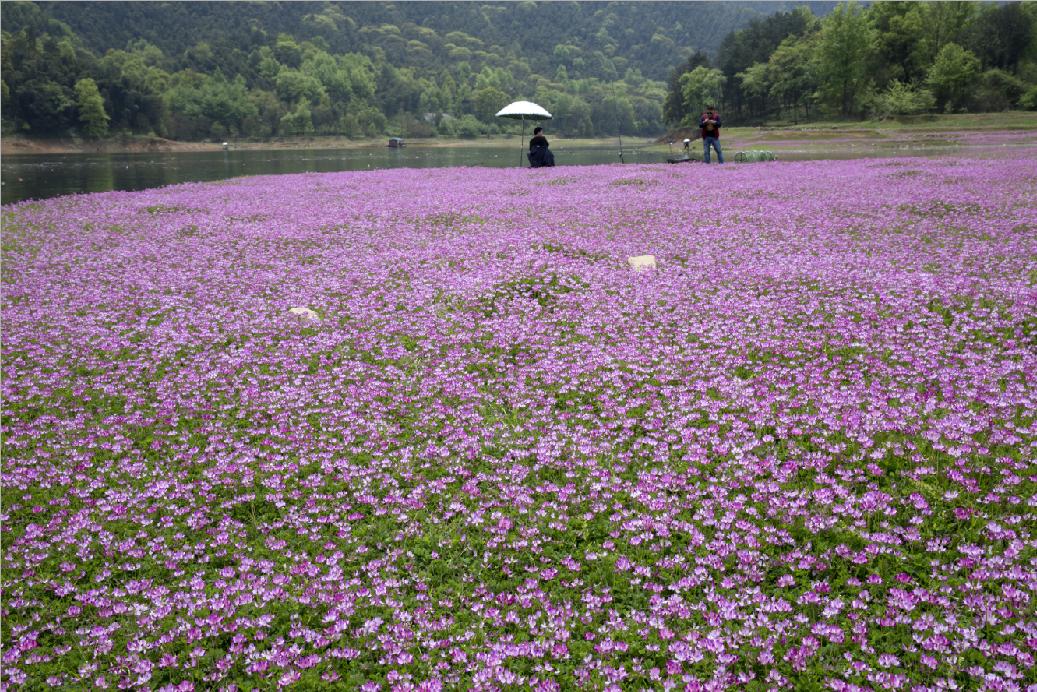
715,131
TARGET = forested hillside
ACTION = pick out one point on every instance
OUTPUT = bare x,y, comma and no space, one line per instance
884,59
197,70
194,70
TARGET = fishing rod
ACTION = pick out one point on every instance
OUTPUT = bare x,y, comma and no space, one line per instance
615,112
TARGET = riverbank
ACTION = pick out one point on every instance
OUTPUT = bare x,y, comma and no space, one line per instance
776,135
18,144
993,122
914,136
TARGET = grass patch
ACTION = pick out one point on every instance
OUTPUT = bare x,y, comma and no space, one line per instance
453,220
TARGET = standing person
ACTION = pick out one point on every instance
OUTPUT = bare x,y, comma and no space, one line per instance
710,125
539,155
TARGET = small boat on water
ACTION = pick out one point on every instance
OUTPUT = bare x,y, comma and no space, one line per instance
396,142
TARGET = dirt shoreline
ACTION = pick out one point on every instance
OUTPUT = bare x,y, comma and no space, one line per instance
13,145
18,144
952,126
143,145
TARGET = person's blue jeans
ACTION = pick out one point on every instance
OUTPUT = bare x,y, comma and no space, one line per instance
715,143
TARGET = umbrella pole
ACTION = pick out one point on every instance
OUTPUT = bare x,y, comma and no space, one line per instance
522,137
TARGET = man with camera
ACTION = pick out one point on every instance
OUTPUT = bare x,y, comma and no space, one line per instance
709,123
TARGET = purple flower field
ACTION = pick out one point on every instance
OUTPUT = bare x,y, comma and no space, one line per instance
801,452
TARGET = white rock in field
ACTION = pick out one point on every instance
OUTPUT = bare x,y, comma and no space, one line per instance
641,262
305,313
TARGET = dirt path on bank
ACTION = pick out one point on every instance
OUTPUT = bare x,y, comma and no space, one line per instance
142,145
35,145
823,136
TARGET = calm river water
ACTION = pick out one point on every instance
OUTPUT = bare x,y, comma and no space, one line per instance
37,176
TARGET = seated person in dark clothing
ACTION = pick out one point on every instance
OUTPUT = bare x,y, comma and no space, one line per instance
539,155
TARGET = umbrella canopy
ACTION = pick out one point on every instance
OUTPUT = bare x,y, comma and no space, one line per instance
523,110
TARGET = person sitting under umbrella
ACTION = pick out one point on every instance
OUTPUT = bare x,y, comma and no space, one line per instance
540,155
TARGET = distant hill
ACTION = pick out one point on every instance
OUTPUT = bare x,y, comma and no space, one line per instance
653,37
197,70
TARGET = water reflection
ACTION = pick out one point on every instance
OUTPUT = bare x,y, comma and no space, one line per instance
37,176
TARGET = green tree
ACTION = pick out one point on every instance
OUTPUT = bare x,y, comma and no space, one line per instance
201,58
487,100
467,126
943,23
902,99
572,114
227,102
134,90
1029,99
998,90
673,106
363,121
647,112
495,77
900,27
293,85
701,87
287,51
332,24
323,68
791,74
612,113
361,74
1000,35
201,105
299,121
268,111
45,105
755,82
448,92
266,67
91,108
398,90
40,66
952,77
844,59
754,44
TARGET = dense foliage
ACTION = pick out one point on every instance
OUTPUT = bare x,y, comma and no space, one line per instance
200,69
802,454
884,59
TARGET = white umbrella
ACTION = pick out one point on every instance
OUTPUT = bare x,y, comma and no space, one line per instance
521,110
